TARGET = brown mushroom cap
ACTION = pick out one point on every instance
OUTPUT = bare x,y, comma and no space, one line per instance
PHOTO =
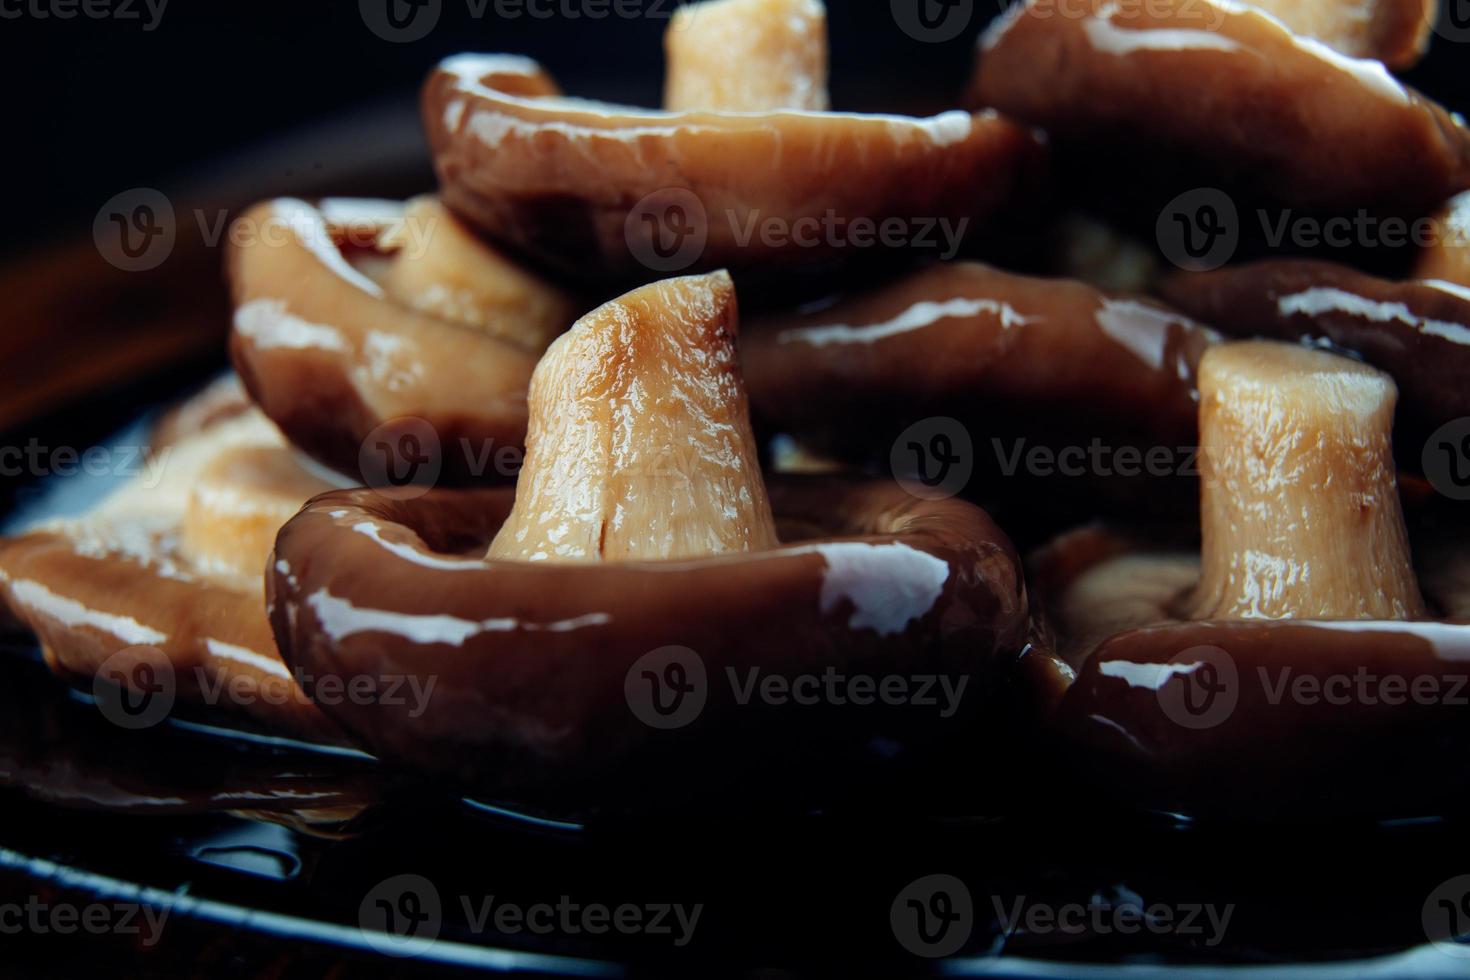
1055,363
560,178
531,659
1293,686
1232,88
116,593
1417,331
330,357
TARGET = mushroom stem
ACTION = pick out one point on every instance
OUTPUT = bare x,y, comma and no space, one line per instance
747,56
1299,498
640,446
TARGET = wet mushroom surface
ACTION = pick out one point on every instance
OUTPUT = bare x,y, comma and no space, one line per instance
1234,92
1022,365
1418,330
159,586
1296,658
361,324
640,529
604,192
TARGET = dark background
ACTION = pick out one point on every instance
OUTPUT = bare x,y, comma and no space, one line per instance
222,91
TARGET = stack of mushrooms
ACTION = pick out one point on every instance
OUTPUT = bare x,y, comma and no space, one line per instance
631,598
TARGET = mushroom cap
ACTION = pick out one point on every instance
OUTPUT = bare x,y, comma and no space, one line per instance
115,592
584,186
1233,89
332,359
1418,331
1246,719
535,662
966,341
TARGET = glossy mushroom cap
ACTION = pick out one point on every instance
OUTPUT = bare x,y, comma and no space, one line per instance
603,192
640,444
1418,330
333,356
1193,76
159,587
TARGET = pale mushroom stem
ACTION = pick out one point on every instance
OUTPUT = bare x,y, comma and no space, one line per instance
747,56
1299,499
640,446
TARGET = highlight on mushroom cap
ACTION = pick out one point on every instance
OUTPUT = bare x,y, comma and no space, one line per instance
605,193
640,523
